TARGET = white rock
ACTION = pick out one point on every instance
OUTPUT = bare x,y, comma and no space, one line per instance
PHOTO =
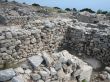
86,73
18,42
107,69
53,71
58,65
40,81
47,58
28,71
44,73
35,60
108,76
47,70
78,72
36,77
8,35
64,56
48,24
61,74
18,79
7,74
19,70
33,40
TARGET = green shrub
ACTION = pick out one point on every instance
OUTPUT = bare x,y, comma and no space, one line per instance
84,80
61,11
74,9
34,4
88,10
56,8
68,9
108,14
101,12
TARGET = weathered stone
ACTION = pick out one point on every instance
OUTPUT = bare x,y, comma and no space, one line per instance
40,81
102,76
44,73
48,59
108,76
33,40
58,65
2,37
3,49
18,79
64,56
7,74
61,74
107,69
53,71
35,61
47,70
9,52
18,42
8,35
25,66
48,24
85,73
19,70
28,71
36,77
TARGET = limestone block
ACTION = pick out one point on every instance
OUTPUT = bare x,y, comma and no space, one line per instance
85,73
35,60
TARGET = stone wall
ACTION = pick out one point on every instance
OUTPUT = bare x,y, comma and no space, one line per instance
18,20
17,44
88,40
54,35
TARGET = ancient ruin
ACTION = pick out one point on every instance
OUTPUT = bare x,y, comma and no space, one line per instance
52,47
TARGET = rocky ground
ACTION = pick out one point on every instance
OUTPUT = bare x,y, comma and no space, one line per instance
36,42
57,67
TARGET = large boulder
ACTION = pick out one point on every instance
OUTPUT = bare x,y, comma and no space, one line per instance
7,74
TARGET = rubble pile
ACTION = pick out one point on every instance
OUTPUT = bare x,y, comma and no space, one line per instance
43,67
16,44
39,39
54,35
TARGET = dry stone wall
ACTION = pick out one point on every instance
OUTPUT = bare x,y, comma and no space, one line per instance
90,40
54,35
18,44
17,20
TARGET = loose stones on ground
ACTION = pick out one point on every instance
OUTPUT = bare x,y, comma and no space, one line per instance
50,71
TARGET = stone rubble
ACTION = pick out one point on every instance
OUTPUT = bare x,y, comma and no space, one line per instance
48,73
40,38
